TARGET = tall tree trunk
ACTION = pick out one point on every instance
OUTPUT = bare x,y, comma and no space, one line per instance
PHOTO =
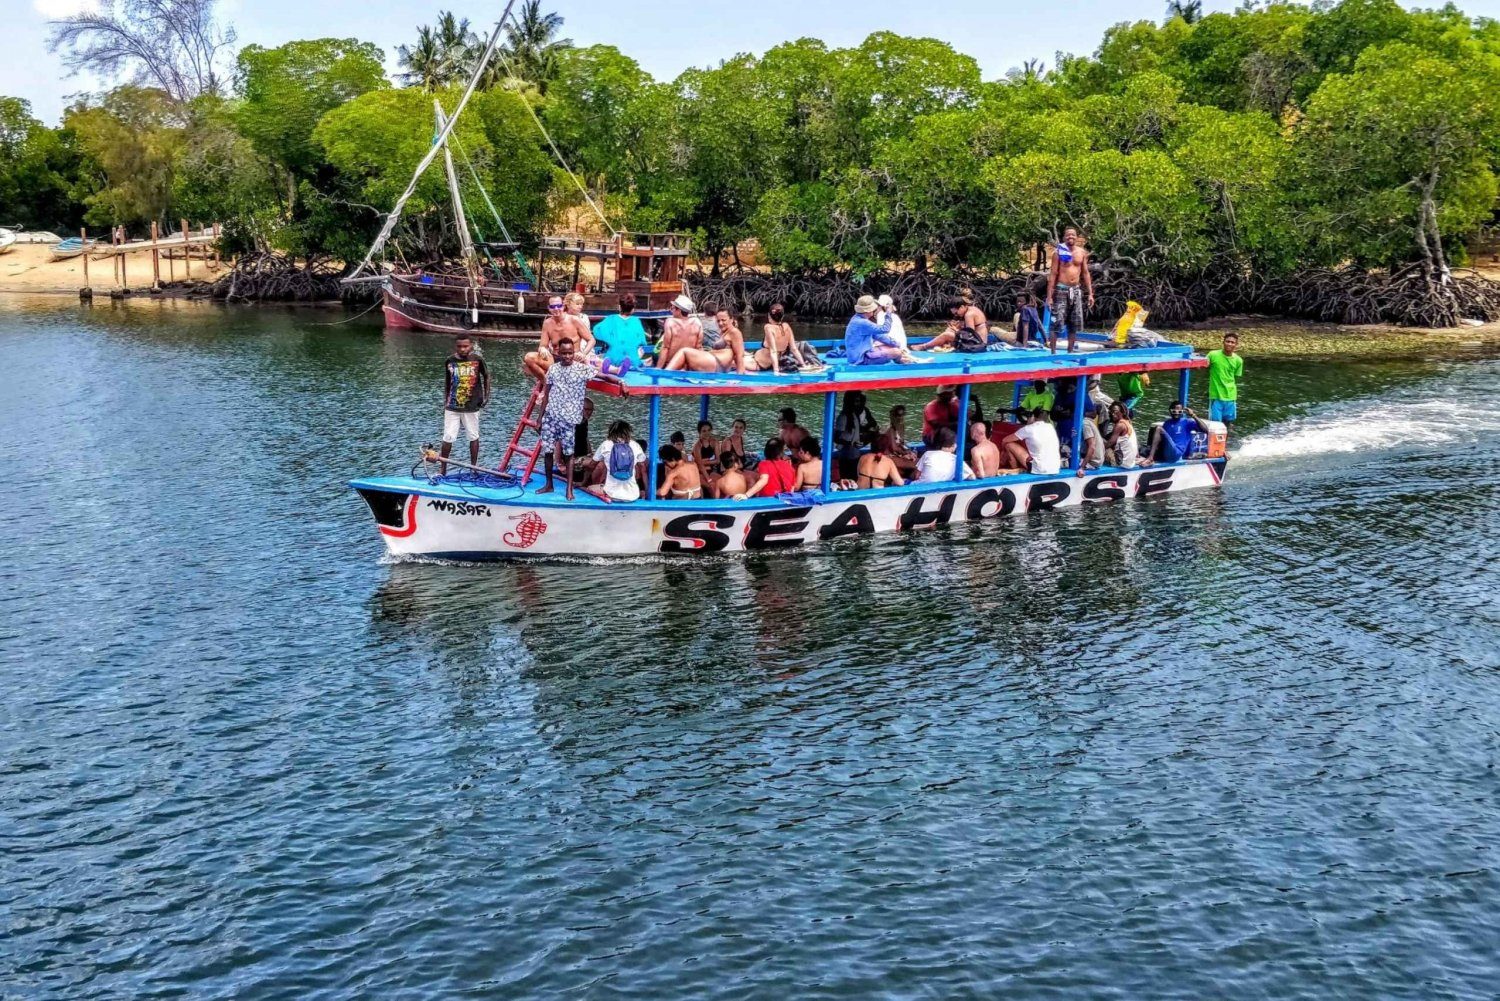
1434,260
919,263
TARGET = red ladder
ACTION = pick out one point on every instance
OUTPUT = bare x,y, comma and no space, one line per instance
532,420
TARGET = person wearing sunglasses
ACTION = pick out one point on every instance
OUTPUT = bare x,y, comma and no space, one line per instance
555,327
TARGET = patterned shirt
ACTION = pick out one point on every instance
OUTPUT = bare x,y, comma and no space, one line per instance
464,388
566,386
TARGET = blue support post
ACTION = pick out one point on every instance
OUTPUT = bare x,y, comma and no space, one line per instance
1184,383
1080,402
963,431
703,407
653,443
830,401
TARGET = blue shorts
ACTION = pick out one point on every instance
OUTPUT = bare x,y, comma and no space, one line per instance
1221,410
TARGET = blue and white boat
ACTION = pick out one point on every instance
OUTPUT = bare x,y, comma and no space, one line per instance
71,247
500,514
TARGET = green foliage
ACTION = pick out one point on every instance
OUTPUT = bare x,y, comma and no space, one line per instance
37,168
130,140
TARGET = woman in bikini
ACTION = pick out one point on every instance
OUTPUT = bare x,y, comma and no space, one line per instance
706,456
876,469
736,443
730,357
777,340
893,443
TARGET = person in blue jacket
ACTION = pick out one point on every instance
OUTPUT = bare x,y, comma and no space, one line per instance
868,341
1172,439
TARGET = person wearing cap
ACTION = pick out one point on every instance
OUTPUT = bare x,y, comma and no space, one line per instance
681,330
1068,282
555,327
941,412
898,329
867,342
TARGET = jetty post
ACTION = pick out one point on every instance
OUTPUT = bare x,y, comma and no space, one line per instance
83,234
187,252
155,258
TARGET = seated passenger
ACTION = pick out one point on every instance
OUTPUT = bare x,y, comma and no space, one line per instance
791,433
1121,443
681,481
941,412
967,331
779,350
706,451
898,328
854,427
984,455
736,443
867,342
940,460
1093,446
809,457
1172,439
623,338
731,482
893,442
876,469
1132,387
1034,448
728,356
1039,396
618,466
1028,322
775,474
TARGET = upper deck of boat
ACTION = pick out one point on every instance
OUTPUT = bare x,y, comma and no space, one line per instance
1095,355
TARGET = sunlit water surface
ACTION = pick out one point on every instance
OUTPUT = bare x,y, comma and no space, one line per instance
1235,743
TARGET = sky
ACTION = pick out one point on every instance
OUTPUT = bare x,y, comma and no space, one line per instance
666,36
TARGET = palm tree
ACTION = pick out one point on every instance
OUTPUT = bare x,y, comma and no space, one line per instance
532,46
1191,11
444,55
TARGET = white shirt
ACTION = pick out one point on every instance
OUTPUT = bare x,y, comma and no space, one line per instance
1041,441
936,465
614,487
898,329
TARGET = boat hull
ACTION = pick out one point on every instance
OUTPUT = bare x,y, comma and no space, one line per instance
454,520
502,315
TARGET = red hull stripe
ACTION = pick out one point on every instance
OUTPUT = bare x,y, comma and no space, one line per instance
411,521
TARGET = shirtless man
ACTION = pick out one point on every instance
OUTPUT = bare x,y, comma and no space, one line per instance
555,327
1068,283
791,432
984,455
964,315
681,330
730,358
732,480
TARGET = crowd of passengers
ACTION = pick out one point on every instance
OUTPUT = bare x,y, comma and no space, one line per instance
869,455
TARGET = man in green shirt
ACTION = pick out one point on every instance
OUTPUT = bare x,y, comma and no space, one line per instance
1040,397
1225,369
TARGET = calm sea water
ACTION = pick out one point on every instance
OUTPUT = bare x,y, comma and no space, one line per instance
1224,744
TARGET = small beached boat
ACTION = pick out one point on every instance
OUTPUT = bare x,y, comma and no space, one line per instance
71,247
7,239
500,514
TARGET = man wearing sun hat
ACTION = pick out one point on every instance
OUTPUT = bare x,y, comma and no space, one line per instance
681,330
867,342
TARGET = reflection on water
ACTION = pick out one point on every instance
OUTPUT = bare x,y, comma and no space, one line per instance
1225,742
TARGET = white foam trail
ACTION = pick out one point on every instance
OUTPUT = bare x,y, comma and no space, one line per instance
1428,416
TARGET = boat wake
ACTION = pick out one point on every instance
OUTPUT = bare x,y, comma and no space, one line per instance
1431,415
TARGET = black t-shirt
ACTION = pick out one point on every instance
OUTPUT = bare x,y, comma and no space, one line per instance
464,390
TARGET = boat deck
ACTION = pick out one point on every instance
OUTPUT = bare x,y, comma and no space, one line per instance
1095,355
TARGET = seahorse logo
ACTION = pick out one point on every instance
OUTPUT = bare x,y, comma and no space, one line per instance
529,528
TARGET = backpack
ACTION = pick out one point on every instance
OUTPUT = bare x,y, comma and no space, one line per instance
622,461
970,341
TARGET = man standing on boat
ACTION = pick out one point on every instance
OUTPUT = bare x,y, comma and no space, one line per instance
564,393
466,389
1068,283
1225,370
867,342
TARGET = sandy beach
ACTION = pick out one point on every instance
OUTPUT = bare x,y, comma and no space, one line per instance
30,268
